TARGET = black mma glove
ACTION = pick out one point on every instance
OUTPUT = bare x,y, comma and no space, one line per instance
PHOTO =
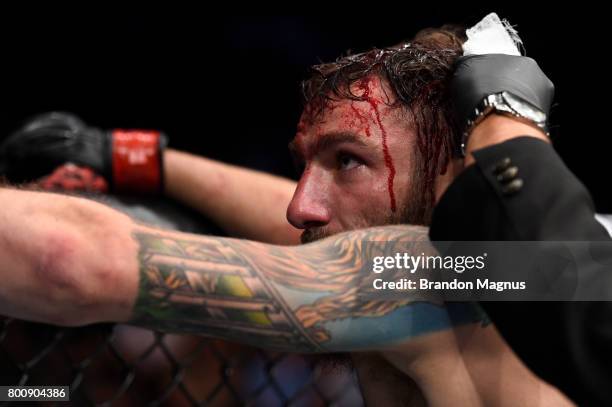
130,160
518,80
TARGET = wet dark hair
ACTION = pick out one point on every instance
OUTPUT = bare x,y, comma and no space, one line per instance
418,72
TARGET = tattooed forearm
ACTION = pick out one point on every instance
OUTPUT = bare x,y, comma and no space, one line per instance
272,296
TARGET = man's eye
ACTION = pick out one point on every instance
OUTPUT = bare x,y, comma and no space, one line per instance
348,161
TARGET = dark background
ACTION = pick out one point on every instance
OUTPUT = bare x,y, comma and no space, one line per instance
227,87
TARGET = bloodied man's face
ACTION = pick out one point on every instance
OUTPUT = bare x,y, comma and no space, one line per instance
358,160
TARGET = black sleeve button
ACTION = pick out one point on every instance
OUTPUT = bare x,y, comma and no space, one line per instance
508,174
512,187
501,165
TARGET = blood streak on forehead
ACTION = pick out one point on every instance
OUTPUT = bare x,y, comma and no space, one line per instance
364,88
358,118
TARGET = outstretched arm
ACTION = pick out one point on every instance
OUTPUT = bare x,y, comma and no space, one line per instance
193,180
72,261
245,203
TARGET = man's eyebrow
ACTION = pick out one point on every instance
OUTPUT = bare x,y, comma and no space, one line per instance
328,140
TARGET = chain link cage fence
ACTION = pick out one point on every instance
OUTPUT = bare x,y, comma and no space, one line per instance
119,365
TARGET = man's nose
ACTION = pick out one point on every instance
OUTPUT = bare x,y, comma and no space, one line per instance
309,207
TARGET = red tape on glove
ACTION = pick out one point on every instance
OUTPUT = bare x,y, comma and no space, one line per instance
136,161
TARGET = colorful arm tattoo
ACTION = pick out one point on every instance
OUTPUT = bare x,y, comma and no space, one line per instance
310,298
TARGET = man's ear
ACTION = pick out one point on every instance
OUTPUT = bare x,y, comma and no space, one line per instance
447,175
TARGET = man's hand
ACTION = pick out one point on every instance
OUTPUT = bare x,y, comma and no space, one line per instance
129,160
478,76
